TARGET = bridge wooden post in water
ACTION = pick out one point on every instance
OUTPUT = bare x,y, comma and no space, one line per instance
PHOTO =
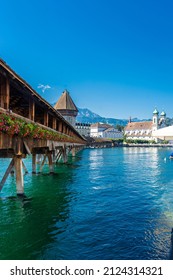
19,175
50,161
33,163
73,152
64,154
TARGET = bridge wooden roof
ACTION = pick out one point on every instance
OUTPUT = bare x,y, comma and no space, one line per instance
14,76
17,80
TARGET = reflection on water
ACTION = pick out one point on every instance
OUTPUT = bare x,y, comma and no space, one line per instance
105,204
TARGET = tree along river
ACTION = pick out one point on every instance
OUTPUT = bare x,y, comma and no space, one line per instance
112,203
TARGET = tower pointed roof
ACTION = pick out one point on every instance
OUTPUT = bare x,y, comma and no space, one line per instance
65,102
163,114
156,111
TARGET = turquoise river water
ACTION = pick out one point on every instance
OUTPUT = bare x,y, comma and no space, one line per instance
104,204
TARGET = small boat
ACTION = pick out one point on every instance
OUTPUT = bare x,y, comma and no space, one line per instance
171,156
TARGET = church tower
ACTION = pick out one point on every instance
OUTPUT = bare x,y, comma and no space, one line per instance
66,107
162,121
155,119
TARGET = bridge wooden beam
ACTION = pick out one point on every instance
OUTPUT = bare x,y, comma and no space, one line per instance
31,109
60,126
54,124
67,131
4,92
64,129
11,165
24,167
46,118
58,154
43,162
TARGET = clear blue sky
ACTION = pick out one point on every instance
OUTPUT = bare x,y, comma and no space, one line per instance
114,56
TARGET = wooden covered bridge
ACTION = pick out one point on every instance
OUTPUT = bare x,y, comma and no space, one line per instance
29,125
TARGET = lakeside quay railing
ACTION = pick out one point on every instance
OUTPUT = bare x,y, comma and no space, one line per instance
148,145
118,145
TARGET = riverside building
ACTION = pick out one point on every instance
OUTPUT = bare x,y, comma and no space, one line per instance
102,130
83,128
144,130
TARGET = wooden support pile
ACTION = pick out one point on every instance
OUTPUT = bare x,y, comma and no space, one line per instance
22,148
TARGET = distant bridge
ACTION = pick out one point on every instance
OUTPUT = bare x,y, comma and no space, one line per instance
30,125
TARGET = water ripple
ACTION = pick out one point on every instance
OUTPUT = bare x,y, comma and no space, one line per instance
106,204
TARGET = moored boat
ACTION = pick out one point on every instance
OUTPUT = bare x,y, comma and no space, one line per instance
171,156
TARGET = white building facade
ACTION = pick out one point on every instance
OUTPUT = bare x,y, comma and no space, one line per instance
83,128
112,133
101,130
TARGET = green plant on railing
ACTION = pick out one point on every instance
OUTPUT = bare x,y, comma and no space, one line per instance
13,126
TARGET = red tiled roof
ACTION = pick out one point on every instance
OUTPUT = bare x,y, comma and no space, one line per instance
139,126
